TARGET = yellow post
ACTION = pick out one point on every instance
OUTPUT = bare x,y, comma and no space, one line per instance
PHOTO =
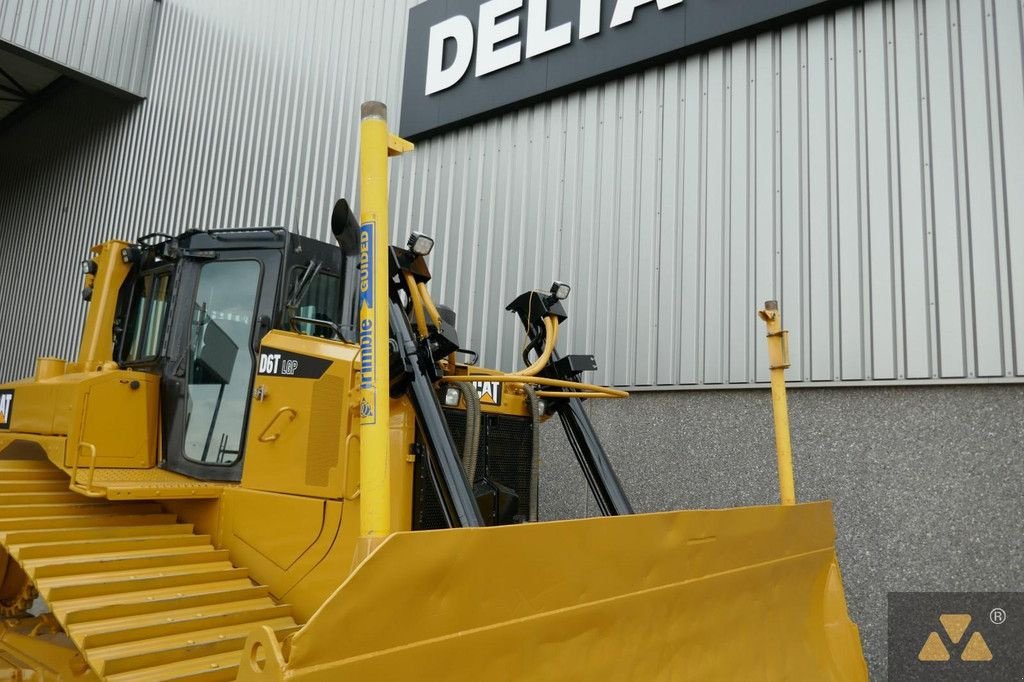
103,286
778,361
376,144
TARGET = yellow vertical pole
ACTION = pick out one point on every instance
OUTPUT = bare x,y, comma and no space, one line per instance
375,145
97,335
778,362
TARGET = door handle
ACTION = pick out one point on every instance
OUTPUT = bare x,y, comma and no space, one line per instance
265,436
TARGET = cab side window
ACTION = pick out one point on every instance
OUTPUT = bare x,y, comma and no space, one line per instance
144,328
319,302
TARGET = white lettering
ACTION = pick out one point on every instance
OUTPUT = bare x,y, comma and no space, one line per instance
590,18
493,32
268,363
623,13
498,24
459,29
540,38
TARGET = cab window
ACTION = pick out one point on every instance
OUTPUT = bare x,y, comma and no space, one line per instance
319,302
220,361
144,328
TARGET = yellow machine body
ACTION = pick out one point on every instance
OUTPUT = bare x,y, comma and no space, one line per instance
750,593
302,571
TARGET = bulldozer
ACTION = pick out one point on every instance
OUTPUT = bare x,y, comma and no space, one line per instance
273,459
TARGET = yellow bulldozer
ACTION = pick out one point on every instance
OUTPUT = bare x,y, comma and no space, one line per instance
274,460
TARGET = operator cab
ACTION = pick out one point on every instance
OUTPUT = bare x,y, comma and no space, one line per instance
194,310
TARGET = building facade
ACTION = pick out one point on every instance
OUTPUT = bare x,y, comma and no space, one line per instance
862,164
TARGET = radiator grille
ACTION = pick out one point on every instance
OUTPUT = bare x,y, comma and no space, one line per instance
504,457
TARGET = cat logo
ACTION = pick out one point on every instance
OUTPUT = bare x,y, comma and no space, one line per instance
955,625
6,405
490,392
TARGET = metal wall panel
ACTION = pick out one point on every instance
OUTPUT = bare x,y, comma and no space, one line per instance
864,166
106,40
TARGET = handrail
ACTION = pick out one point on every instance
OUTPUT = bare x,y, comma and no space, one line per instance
263,437
74,485
603,391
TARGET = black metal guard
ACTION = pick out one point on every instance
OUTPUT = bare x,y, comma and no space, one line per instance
604,484
600,475
449,478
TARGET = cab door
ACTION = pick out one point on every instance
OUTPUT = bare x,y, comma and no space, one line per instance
224,306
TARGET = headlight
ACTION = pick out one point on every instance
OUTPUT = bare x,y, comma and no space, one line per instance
451,396
88,267
420,244
560,290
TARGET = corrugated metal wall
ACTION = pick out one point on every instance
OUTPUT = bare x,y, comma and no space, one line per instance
865,167
108,40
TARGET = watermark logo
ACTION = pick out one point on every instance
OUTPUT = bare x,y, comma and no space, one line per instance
955,625
962,636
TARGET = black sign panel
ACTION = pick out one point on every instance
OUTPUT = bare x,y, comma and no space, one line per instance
281,363
466,59
6,408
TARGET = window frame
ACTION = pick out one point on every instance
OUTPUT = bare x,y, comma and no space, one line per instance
124,341
294,275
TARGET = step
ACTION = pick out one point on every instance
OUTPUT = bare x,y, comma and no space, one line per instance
43,568
60,607
24,537
141,595
119,658
206,669
136,580
22,485
135,628
99,547
109,517
17,470
64,496
156,602
82,507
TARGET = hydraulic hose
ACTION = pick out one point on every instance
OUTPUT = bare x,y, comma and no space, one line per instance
471,449
435,316
428,302
417,304
550,339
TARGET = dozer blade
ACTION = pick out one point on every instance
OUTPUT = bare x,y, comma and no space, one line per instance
138,595
736,594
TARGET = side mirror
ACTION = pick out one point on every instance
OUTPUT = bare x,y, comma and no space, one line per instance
345,228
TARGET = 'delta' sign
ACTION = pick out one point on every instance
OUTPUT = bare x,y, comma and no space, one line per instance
466,59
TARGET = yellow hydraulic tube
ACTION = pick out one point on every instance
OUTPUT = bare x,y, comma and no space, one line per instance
575,394
376,145
778,361
550,339
604,391
428,302
417,304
